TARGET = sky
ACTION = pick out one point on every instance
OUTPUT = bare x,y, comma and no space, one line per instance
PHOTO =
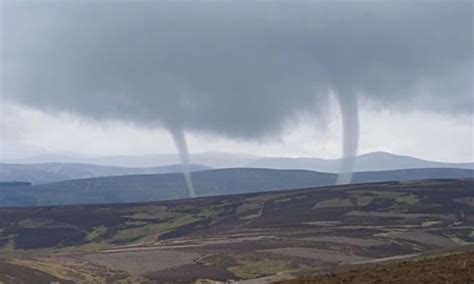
286,78
28,132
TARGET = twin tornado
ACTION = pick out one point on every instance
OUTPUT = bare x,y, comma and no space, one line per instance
348,107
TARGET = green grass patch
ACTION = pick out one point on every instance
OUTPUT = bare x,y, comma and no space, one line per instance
33,223
144,216
135,223
377,193
335,202
148,213
259,268
410,199
86,247
10,245
362,200
96,233
250,206
207,212
151,231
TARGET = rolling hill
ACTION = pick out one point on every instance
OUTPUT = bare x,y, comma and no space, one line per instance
53,172
376,161
267,235
211,159
137,188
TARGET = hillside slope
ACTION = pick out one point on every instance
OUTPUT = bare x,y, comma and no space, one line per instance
291,232
452,268
136,188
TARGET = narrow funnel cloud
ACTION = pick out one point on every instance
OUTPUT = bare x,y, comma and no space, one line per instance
348,105
182,148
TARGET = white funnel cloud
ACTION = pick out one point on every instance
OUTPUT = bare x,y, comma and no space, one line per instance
182,148
348,105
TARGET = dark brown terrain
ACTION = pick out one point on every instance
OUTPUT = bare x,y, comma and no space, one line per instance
455,268
264,236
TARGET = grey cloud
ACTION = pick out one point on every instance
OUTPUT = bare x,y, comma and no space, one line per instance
240,69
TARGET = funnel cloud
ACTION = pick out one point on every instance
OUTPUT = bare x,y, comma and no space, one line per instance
182,148
348,105
236,69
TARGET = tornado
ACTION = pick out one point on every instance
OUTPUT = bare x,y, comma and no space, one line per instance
348,106
179,140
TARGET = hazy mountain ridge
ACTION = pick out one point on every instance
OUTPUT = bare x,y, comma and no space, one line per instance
54,172
154,187
374,161
211,159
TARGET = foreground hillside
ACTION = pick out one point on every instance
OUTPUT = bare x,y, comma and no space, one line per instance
138,188
290,233
455,268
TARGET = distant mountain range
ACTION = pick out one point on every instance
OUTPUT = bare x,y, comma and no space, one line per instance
211,159
53,172
136,188
376,161
49,168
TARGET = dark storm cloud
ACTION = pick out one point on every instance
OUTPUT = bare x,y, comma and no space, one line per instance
240,69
